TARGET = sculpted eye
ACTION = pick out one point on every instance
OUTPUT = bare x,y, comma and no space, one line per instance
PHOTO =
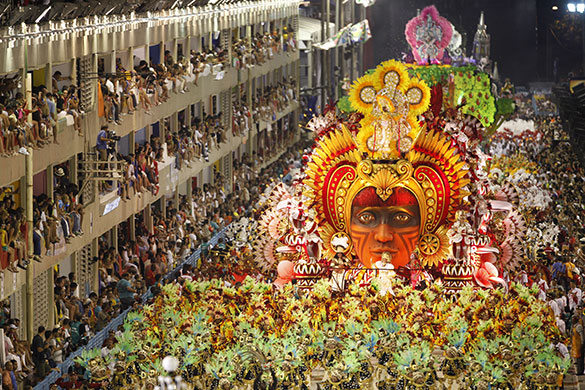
366,218
403,218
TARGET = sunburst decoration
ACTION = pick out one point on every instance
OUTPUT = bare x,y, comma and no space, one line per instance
391,74
365,133
363,94
391,101
418,95
434,247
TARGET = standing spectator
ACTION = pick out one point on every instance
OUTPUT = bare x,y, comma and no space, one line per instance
102,148
38,346
13,376
6,377
575,296
125,291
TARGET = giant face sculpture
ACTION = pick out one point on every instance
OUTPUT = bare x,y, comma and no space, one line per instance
379,227
394,186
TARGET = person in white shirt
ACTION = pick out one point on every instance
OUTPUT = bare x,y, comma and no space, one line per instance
542,289
562,302
560,348
192,239
522,277
575,296
110,85
555,307
561,325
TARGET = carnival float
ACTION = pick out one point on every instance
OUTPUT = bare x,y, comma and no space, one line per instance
391,248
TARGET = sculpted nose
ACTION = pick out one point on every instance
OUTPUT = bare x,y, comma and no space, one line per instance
383,233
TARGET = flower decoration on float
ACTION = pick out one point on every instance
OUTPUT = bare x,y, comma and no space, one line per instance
392,162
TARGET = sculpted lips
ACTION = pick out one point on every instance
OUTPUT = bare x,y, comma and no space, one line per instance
380,252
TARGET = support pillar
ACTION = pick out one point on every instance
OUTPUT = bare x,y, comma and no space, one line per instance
146,53
338,26
74,69
51,299
310,65
249,34
50,182
110,65
328,54
353,54
190,196
132,142
252,125
95,282
114,236
130,65
175,122
162,133
360,54
163,206
188,116
49,77
187,48
148,217
73,169
93,81
341,63
132,227
176,197
29,222
229,45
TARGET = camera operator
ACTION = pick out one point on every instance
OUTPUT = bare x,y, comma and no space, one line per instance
104,146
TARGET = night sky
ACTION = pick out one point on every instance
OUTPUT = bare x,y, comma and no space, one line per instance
512,25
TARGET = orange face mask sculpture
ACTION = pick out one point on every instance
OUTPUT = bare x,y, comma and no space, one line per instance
391,190
390,227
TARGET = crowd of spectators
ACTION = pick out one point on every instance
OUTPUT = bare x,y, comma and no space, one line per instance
191,143
140,170
194,143
149,84
272,99
262,48
122,93
47,107
13,228
137,268
56,220
266,105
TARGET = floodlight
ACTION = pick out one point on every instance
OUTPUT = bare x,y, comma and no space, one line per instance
572,7
42,15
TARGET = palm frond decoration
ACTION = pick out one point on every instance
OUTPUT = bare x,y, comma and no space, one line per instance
87,355
351,361
371,341
458,337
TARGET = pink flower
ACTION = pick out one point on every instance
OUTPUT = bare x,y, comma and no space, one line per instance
487,275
